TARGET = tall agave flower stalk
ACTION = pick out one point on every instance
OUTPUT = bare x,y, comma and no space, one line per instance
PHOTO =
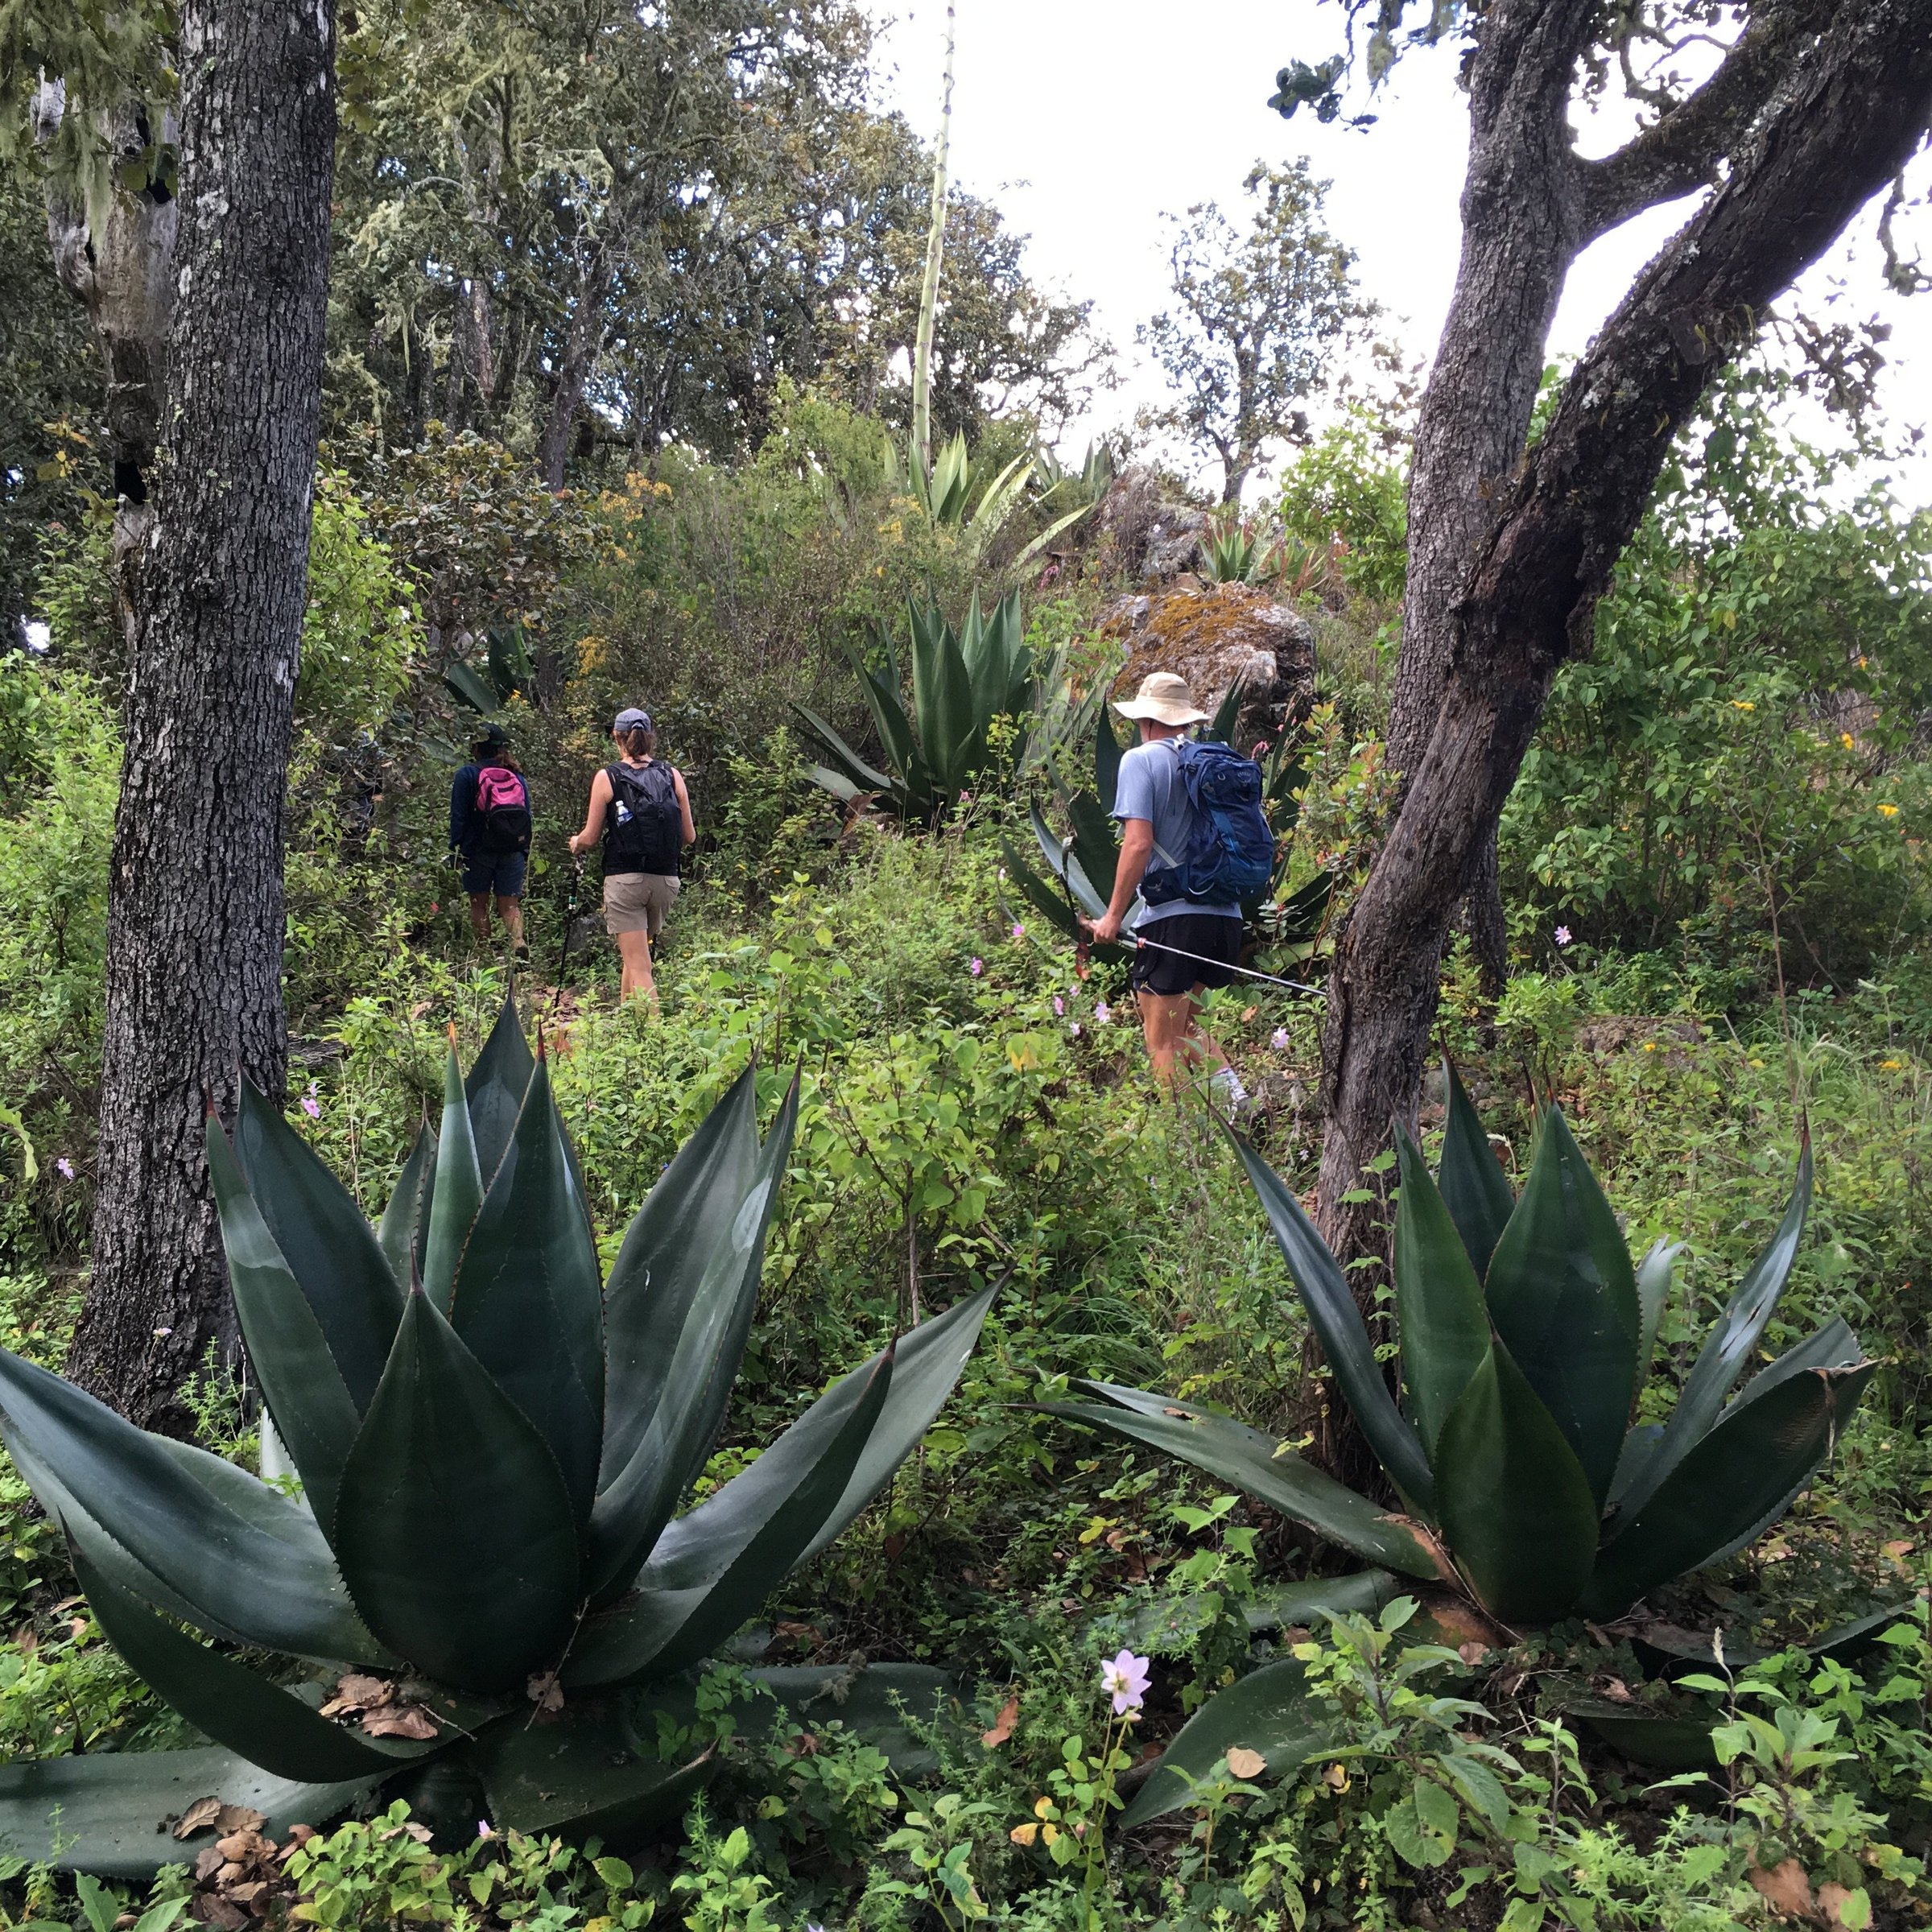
483,1580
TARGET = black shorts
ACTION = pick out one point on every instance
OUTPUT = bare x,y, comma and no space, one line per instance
1213,936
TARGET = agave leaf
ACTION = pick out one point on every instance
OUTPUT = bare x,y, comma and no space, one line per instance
495,1089
468,686
528,1301
883,699
458,1192
583,1775
1032,550
1444,1326
1289,1604
1227,714
1474,1187
1234,1453
1338,1323
245,1559
929,1358
325,1240
942,699
317,1416
835,782
448,1484
401,1235
1727,1485
109,1813
1652,1291
1108,752
1515,1504
758,1526
1096,843
666,1251
1727,1348
1659,1744
1267,1711
1563,1298
1050,903
700,1362
1640,1445
227,1701
861,776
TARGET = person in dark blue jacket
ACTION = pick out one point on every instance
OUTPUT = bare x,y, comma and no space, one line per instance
478,843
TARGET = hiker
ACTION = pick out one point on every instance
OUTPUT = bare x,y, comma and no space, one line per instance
640,810
490,826
1156,828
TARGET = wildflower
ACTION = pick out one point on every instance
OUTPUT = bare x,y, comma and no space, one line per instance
1125,1678
1278,1039
1650,1045
1019,932
1889,1066
1742,704
1102,1012
1060,1006
976,967
310,1105
1845,738
1889,811
161,1334
1073,1026
436,905
1260,751
1562,935
483,1830
64,1168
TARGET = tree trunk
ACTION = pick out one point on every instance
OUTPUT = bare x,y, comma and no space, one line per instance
195,919
581,342
1851,111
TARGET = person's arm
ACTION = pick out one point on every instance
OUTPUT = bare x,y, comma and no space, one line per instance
595,815
691,830
1137,849
462,800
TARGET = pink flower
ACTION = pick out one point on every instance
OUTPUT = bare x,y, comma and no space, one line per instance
1060,1006
1125,1678
64,1168
977,968
1073,1026
435,906
1562,935
1102,1012
1278,1039
1019,932
310,1105
1260,751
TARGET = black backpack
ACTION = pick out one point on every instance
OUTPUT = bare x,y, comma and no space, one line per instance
643,831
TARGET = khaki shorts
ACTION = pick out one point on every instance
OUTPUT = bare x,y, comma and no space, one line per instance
636,901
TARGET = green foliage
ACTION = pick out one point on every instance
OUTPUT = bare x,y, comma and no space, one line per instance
1346,494
358,638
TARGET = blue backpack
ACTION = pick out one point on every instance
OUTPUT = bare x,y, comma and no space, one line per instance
1230,855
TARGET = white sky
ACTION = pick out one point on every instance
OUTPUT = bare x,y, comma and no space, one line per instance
1085,120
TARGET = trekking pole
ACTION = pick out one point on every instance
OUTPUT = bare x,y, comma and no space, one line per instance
1247,972
570,914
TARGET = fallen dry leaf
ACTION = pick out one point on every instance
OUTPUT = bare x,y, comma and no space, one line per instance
1002,1725
1615,1689
1845,1905
545,1692
207,1863
198,1817
1784,1888
355,1692
1243,1763
1472,1653
1335,1777
212,1909
1248,1013
399,1720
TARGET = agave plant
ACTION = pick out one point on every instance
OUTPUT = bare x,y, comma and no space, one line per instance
1080,869
961,681
484,1556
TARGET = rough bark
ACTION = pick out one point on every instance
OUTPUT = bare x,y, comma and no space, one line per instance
1845,115
582,340
196,905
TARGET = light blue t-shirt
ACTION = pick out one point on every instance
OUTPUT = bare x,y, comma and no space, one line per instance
1150,788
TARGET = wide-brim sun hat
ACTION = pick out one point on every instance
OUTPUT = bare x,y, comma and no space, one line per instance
1164,697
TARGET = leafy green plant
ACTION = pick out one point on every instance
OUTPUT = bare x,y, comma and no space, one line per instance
1526,1335
962,681
491,1445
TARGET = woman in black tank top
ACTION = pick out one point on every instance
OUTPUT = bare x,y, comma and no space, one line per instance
641,810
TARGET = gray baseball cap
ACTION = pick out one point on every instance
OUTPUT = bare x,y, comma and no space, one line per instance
631,719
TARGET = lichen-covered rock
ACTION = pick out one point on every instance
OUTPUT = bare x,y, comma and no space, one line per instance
1217,635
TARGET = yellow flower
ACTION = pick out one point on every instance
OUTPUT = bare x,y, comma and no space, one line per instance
1757,1062
1889,1066
1742,704
1846,739
1890,811
1650,1045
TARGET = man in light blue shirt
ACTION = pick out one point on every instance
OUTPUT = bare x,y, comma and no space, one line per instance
1184,949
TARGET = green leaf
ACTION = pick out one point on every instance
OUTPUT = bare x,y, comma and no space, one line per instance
495,1089
1563,1298
528,1302
457,1192
448,1485
1728,1348
700,1334
853,769
1288,1604
245,1559
1267,1711
1729,1485
942,699
1661,1744
325,1240
1474,1186
715,1567
1652,1291
1236,1453
468,686
225,1700
110,1813
313,1413
1444,1326
1515,1508
1108,752
401,1235
583,1775
1338,1324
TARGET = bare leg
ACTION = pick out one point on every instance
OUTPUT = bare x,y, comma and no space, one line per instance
510,912
634,948
479,917
1176,1046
